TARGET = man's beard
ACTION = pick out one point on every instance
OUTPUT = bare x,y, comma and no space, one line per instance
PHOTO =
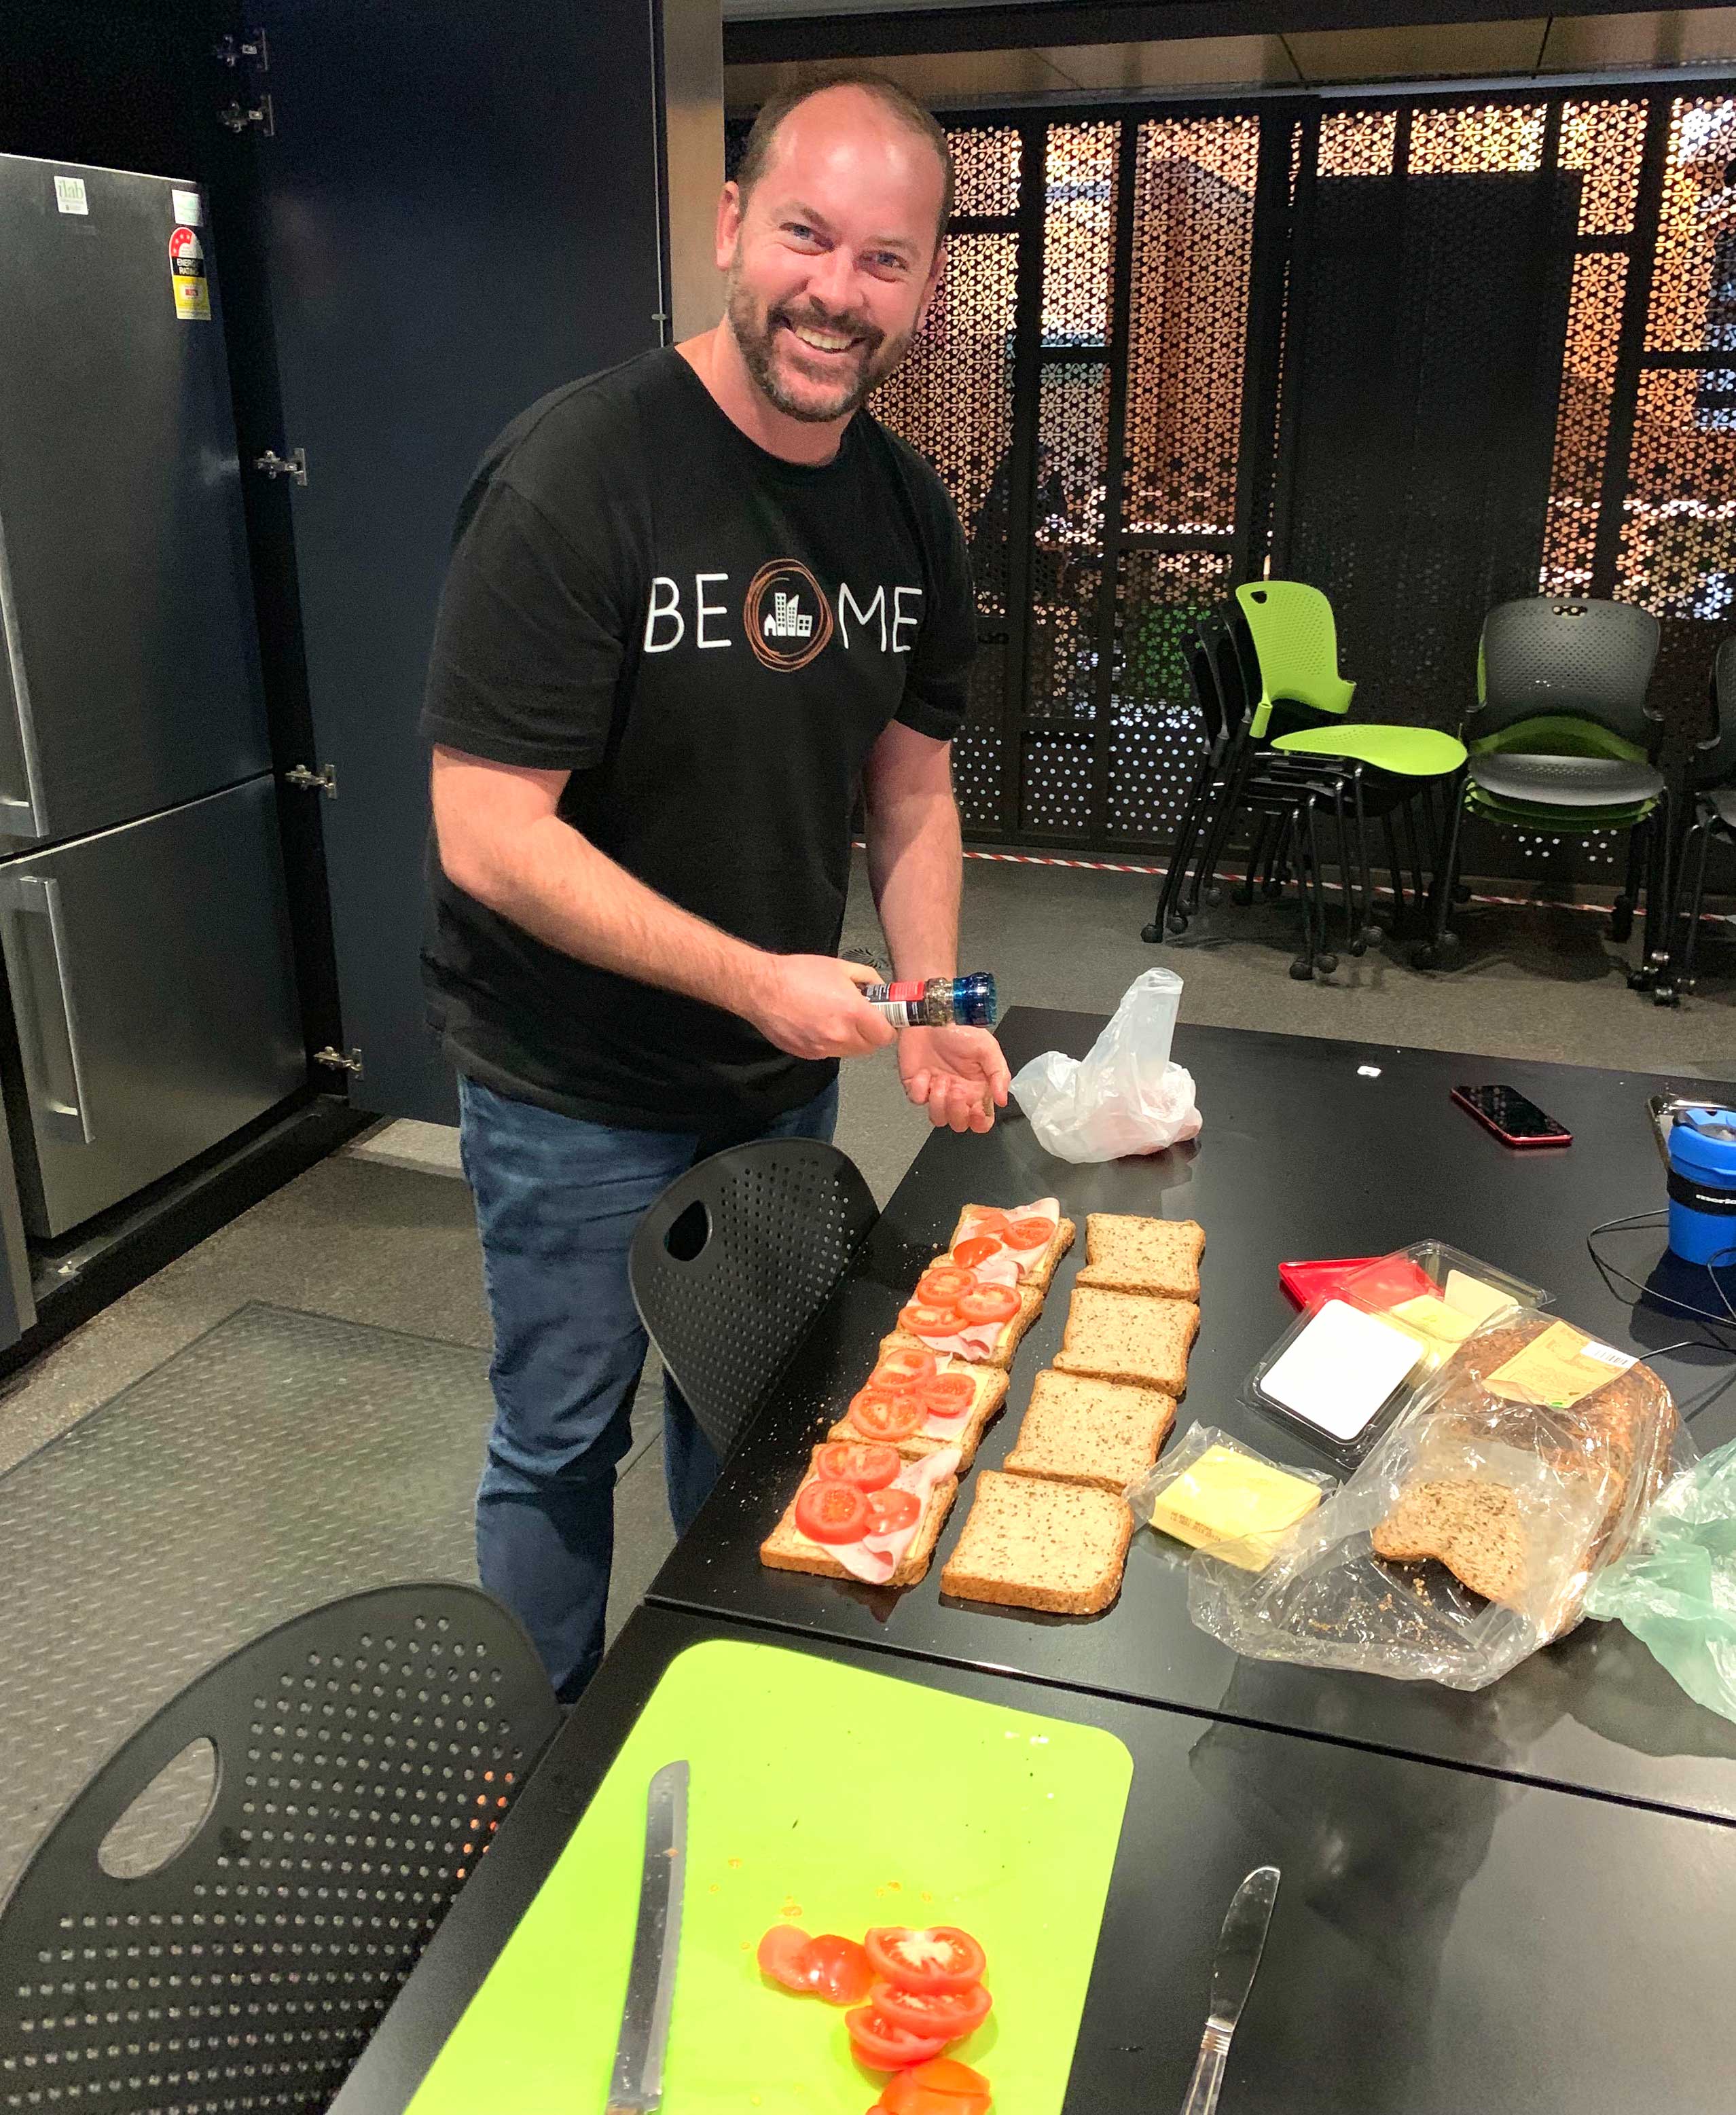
877,356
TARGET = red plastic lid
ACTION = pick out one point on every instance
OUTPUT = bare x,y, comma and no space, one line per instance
1376,1280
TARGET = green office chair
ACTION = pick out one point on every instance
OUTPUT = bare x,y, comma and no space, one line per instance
1299,707
1561,740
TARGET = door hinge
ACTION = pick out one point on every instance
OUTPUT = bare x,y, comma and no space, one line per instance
248,49
238,116
337,1060
293,465
325,780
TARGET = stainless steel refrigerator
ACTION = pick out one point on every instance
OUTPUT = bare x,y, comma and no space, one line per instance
143,919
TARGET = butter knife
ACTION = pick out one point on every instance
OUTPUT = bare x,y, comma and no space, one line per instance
1240,1944
636,2085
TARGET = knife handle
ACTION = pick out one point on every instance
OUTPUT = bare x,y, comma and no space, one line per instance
1208,2073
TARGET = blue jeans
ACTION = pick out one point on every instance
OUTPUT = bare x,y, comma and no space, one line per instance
558,1200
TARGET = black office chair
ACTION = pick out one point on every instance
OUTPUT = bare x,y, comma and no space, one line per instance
1712,778
365,1752
1562,739
733,1264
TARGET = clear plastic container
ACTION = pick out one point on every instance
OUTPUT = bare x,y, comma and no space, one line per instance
1348,1364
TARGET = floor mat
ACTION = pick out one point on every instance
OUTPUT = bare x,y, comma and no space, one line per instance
280,1461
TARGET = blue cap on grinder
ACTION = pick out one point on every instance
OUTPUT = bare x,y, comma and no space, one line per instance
1703,1186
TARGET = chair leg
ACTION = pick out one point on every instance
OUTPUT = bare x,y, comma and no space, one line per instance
1690,945
1408,815
1397,872
1272,874
1621,913
1256,844
1440,939
1302,967
1647,976
1170,895
1217,834
1367,930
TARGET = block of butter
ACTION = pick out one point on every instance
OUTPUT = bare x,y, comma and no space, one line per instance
1231,1499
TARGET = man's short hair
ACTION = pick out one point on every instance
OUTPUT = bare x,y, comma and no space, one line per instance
900,103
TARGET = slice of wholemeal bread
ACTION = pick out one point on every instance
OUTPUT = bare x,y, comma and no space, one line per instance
1079,1430
1006,1343
1472,1528
1030,1543
1128,1337
990,1382
787,1548
1133,1254
1043,1269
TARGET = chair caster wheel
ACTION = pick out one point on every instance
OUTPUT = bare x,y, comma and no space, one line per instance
1151,934
1271,890
1621,919
1242,896
1358,946
1641,980
1302,969
1461,892
1666,996
1325,964
1213,896
1178,922
1428,957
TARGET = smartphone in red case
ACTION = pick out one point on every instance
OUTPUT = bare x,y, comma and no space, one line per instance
1514,1119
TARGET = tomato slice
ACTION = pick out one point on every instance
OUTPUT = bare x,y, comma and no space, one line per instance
907,1367
953,2014
882,1413
948,1395
1031,1233
989,1303
942,2087
923,1319
977,1249
871,1467
990,1219
885,2047
827,1511
942,1283
837,1968
891,1511
780,1956
940,1958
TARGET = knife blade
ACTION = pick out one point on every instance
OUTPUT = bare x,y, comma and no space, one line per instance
1240,1945
637,2083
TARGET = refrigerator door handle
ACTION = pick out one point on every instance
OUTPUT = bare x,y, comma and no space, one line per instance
37,896
20,813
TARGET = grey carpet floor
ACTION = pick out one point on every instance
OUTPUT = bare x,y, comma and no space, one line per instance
388,1248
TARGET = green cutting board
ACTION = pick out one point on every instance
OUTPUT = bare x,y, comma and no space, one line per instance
835,1799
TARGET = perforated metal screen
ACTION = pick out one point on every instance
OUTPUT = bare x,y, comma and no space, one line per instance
1426,353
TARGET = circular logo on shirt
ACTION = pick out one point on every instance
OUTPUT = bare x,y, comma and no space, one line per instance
787,616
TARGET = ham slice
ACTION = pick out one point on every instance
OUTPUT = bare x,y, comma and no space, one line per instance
876,1557
1024,1261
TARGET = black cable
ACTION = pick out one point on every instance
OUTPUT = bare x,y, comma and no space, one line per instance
1727,1320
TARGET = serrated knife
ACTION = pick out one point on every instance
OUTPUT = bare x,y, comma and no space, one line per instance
1240,1944
636,2085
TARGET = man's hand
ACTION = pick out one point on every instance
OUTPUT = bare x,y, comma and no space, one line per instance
958,1073
812,1007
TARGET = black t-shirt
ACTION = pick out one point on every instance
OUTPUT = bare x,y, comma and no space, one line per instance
710,640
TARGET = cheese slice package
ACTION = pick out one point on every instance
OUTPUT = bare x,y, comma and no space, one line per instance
1212,1492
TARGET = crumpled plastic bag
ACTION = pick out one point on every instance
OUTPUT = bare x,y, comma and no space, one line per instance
1126,1096
1675,1589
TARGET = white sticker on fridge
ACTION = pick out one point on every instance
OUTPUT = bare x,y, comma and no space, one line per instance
188,210
69,194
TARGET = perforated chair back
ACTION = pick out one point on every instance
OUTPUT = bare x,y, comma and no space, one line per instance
364,1754
1295,643
1553,656
733,1264
1715,763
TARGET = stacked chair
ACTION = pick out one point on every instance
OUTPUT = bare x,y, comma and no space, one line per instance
1281,745
1561,742
1712,815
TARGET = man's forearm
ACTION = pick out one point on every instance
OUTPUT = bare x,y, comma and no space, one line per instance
915,866
554,882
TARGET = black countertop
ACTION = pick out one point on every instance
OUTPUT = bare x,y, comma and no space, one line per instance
1301,1155
1445,1942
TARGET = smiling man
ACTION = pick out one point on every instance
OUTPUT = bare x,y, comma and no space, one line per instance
694,604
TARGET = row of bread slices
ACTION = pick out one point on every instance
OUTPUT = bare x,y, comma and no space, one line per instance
1052,1531
878,1491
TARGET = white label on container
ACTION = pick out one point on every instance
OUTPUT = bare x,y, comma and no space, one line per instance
1606,1355
188,208
1340,1370
69,194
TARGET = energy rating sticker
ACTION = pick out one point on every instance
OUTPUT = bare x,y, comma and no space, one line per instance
187,275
